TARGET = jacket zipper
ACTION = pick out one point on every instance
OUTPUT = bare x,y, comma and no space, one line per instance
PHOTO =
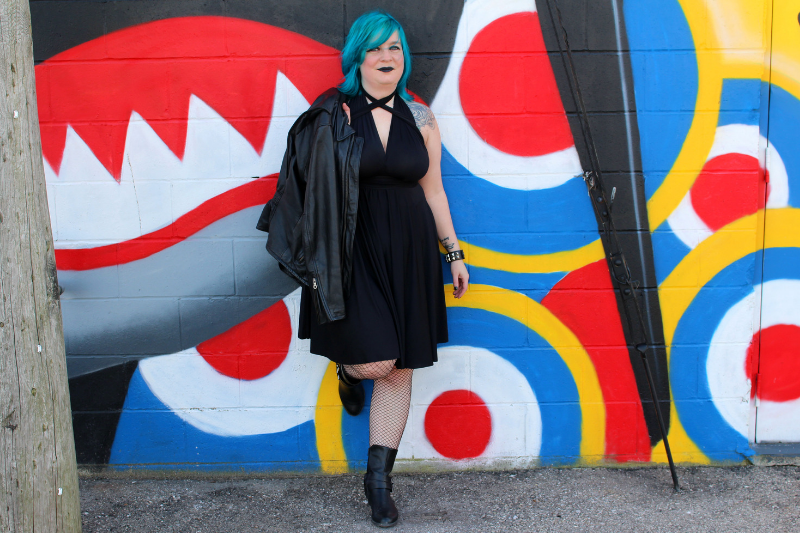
352,149
346,191
321,299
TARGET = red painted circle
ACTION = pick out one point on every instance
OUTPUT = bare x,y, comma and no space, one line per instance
458,424
728,188
508,91
252,349
777,366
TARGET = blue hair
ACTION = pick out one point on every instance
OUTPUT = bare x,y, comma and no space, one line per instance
370,30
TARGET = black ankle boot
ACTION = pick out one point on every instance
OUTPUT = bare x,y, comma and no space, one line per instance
351,392
378,485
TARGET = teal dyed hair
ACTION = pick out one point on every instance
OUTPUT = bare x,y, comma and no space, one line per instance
370,30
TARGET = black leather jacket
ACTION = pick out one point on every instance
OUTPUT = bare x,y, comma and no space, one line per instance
311,220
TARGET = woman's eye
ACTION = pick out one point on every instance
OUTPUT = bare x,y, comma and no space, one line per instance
395,47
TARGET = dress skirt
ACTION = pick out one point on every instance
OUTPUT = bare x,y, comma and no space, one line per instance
395,308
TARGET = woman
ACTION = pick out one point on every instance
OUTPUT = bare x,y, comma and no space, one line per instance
395,312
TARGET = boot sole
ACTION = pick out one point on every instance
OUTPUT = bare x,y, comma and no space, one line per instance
384,526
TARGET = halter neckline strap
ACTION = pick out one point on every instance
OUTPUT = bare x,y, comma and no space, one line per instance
376,102
381,102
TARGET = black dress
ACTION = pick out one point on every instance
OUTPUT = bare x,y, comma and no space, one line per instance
395,308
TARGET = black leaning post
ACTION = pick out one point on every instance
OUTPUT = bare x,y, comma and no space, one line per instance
602,205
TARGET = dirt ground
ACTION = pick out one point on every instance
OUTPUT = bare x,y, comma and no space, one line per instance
732,499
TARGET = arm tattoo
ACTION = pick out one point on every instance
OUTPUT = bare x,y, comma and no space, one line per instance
423,116
447,244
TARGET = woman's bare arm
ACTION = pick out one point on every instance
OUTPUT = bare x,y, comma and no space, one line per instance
435,195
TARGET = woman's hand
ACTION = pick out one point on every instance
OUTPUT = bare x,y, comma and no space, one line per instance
460,278
346,110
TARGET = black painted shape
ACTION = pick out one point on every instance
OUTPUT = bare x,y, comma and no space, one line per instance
430,27
605,84
97,401
625,206
59,25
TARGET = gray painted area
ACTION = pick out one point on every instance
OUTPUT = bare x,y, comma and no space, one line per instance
778,448
776,454
80,365
240,225
173,300
101,283
205,318
130,326
252,280
190,268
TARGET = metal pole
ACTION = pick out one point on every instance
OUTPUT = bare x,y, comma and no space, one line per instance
643,352
618,266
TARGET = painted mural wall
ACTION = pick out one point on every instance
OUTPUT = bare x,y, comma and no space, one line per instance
163,129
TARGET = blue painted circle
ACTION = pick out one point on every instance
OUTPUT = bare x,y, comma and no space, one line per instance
549,377
689,354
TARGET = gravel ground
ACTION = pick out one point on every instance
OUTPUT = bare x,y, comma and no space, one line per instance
735,499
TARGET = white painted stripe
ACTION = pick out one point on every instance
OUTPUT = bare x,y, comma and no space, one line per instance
687,225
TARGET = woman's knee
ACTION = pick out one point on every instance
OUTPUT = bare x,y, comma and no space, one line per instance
377,370
398,377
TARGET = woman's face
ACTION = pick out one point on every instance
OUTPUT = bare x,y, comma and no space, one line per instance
383,65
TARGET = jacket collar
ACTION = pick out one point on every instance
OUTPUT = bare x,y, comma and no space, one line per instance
331,102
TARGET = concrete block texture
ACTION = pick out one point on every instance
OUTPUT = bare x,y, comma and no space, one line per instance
205,318
175,271
164,127
117,326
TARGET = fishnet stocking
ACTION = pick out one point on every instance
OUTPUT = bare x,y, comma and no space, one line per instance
391,399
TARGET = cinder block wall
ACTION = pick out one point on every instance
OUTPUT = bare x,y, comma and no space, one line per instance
163,129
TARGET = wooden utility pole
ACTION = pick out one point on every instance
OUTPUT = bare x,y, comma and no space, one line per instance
38,474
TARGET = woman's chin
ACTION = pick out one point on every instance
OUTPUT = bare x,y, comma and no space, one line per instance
386,79
389,82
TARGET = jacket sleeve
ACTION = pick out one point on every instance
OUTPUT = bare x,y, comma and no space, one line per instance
289,161
323,225
282,216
